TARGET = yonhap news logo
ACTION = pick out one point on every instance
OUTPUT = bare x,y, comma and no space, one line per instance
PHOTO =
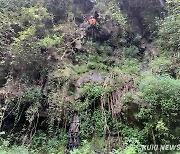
166,147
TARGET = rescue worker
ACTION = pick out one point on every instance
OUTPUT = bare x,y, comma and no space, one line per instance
88,29
92,28
92,21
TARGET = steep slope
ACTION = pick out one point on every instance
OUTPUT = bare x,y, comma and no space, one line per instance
113,89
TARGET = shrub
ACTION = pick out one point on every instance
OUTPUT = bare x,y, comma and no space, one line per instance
96,62
48,42
130,52
86,148
161,91
131,66
168,34
86,127
98,121
163,98
161,65
42,143
91,91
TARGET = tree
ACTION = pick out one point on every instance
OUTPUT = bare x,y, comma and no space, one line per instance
168,34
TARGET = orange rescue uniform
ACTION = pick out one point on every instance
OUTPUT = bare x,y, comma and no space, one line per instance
92,21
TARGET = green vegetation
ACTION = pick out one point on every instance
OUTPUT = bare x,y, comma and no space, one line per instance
48,42
122,81
169,28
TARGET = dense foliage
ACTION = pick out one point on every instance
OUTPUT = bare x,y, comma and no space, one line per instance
122,78
169,27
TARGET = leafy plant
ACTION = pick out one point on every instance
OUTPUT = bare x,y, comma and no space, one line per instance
91,91
168,34
130,52
86,148
98,121
86,127
162,95
131,66
44,144
48,42
161,65
117,15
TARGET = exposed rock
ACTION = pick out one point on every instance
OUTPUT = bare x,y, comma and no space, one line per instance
138,12
10,90
93,77
149,48
84,6
78,44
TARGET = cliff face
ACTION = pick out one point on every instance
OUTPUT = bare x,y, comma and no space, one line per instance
142,14
110,78
108,32
83,5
